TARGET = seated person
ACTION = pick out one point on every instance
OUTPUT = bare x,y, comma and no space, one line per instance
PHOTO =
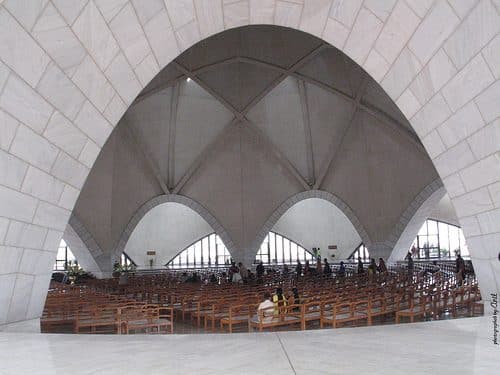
279,300
266,307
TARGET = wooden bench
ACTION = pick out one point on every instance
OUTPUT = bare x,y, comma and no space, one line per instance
344,312
148,318
238,314
284,316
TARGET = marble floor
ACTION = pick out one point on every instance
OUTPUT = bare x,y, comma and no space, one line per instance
460,346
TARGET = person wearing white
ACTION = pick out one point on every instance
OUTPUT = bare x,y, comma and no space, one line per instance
267,308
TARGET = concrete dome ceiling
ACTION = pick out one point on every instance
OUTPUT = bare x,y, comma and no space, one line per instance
255,115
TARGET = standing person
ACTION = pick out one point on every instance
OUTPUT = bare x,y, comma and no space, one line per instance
410,264
460,269
327,270
298,269
361,269
382,268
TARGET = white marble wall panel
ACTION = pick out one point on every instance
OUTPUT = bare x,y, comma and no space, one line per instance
433,76
181,12
461,125
22,294
4,225
92,30
130,36
13,170
408,104
494,190
26,11
42,185
188,35
30,261
68,197
89,154
462,7
262,11
345,11
438,24
431,115
110,8
7,281
482,24
488,101
123,79
161,38
8,127
335,33
433,144
454,159
469,82
69,170
147,9
70,9
4,74
147,69
25,235
287,14
55,36
491,55
482,172
90,79
314,16
397,31
52,240
210,16
115,110
19,51
16,205
363,34
376,65
92,123
39,292
58,89
489,221
62,133
381,8
15,98
420,6
236,14
51,216
33,148
401,74
485,142
472,203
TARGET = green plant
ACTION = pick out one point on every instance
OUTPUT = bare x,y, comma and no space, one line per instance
119,268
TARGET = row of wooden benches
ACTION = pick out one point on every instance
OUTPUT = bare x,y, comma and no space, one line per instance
88,312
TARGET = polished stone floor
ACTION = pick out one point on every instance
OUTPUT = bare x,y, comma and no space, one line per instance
460,346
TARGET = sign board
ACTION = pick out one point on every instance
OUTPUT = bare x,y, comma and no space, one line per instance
151,252
332,247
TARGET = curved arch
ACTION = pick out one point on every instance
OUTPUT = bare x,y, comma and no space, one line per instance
327,196
199,240
412,219
48,86
173,198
